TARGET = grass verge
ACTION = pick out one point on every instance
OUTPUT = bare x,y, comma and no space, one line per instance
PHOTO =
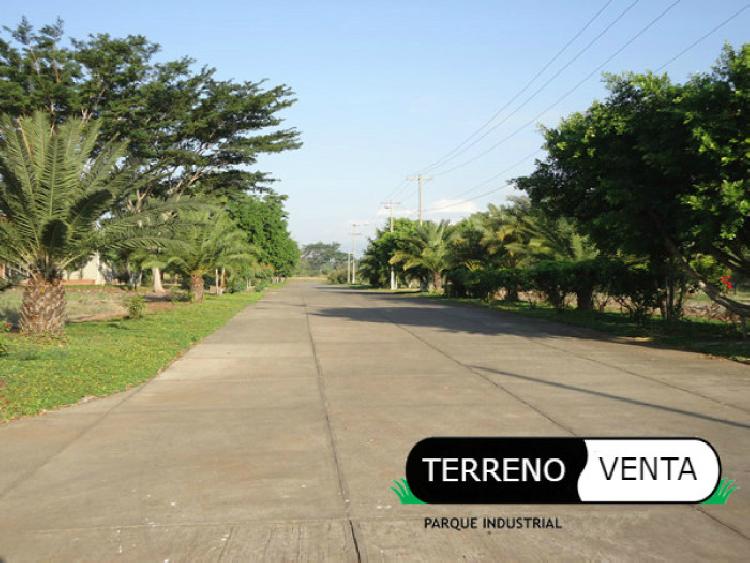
101,358
711,337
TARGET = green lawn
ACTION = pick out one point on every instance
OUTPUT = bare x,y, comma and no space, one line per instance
697,335
100,358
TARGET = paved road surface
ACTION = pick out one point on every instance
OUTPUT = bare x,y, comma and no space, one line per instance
277,438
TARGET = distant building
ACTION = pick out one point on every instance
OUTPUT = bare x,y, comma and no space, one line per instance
94,272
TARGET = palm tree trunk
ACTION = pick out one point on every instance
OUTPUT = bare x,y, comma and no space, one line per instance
196,287
43,306
156,274
437,281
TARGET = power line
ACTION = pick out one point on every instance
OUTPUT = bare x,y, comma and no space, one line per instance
480,196
702,37
398,188
547,83
498,174
566,94
678,55
561,98
450,154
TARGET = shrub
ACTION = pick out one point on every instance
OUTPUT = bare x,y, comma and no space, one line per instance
338,276
135,305
635,287
558,279
484,284
554,279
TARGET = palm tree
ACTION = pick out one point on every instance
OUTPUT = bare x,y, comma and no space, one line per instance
211,240
503,235
56,200
556,239
426,249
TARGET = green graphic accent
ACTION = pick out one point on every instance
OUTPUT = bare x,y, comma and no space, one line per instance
722,493
404,494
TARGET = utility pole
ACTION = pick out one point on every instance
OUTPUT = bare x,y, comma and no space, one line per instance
351,270
420,179
390,206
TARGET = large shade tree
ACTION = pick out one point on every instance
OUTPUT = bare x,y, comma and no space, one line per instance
320,258
56,193
660,170
198,134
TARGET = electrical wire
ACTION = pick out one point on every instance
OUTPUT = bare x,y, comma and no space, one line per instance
704,36
449,155
545,84
566,94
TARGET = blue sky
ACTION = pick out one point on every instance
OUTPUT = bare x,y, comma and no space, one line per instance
386,88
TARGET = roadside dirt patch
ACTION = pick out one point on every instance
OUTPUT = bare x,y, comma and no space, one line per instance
156,306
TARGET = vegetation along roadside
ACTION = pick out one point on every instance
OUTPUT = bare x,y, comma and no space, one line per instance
706,336
101,358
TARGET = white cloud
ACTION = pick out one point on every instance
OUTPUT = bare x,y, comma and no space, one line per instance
453,207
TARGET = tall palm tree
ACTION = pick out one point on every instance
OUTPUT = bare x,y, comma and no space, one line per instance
426,249
211,240
503,236
556,239
56,201
520,233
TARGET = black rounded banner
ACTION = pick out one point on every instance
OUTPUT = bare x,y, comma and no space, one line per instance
543,483
562,470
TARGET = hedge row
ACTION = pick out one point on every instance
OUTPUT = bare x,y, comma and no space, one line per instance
634,285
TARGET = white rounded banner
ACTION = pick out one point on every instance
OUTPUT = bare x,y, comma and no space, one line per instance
648,470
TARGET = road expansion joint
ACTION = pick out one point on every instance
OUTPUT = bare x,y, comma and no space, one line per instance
354,530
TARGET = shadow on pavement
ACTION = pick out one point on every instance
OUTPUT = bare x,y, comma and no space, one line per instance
611,396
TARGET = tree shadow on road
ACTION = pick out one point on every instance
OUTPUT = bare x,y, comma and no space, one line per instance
450,317
605,395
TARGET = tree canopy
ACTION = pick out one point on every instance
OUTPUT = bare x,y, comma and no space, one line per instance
199,133
659,169
320,258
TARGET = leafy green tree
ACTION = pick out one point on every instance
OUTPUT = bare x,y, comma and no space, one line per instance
320,258
264,221
375,265
659,170
716,110
198,135
426,249
56,193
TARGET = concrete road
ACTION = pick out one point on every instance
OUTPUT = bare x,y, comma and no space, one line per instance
277,437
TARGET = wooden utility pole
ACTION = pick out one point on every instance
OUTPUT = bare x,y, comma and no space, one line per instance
420,180
390,206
